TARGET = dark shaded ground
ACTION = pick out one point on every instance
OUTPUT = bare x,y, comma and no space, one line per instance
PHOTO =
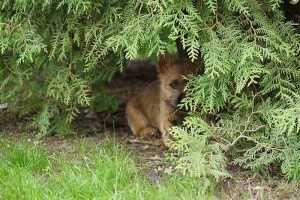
98,126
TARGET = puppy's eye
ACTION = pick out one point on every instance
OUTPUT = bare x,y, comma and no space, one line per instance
174,85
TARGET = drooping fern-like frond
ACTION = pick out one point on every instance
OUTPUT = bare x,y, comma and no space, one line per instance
55,54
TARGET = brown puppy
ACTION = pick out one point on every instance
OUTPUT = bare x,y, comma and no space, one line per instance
152,110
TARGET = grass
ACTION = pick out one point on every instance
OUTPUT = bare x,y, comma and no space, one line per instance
85,171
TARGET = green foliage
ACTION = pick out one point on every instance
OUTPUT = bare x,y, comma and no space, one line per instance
199,156
246,102
245,105
50,60
102,99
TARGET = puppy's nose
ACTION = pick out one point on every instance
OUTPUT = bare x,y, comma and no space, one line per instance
179,99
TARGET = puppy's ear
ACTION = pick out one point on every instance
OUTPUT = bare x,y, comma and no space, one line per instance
164,63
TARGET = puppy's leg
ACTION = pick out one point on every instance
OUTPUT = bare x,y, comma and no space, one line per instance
138,122
165,116
165,125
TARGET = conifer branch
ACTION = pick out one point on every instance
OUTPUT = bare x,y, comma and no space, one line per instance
252,28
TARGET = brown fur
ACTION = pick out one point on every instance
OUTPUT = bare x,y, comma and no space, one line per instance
152,110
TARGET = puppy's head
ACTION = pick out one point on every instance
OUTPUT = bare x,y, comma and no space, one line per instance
171,78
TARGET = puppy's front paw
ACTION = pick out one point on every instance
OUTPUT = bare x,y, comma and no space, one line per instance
164,139
148,132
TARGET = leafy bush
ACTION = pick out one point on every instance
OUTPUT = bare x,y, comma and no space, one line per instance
54,59
244,106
